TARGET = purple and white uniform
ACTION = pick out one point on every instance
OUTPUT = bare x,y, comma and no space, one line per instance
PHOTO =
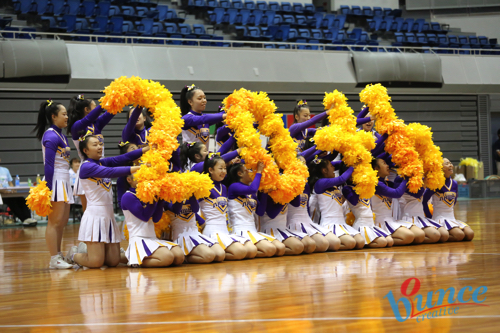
300,131
140,219
133,135
412,209
443,201
56,153
98,222
197,126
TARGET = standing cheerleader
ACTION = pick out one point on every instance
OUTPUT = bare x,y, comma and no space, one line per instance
300,131
196,125
144,249
403,232
243,203
412,211
214,209
298,220
137,128
361,208
56,152
444,201
85,118
330,202
98,228
198,248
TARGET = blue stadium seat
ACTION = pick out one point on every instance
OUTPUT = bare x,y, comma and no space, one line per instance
241,32
377,11
249,4
229,16
169,28
298,7
129,27
388,11
28,33
216,16
242,17
356,11
5,21
354,35
367,11
328,21
345,10
238,4
317,34
286,8
304,33
114,10
162,13
418,25
56,8
255,17
273,5
463,40
453,40
364,37
474,42
87,8
407,25
314,45
262,5
436,27
102,8
267,18
172,17
422,38
199,29
316,20
465,49
224,4
21,6
339,21
278,19
400,39
211,4
100,24
309,8
184,29
386,24
145,27
10,34
397,24
300,21
374,24
40,7
483,41
411,39
432,39
442,41
71,7
128,12
293,34
116,25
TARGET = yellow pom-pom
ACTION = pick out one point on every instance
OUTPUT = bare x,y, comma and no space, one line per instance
349,219
163,226
39,199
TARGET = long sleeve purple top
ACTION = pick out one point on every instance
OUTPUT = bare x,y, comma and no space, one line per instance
301,131
55,143
429,193
94,122
385,189
223,134
177,206
272,208
323,184
109,167
350,195
133,135
198,167
143,211
361,118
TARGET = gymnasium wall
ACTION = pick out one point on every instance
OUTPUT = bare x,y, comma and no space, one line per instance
335,4
484,24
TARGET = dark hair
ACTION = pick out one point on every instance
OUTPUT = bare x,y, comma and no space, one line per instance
84,143
315,170
186,95
76,110
123,148
47,109
188,152
298,108
233,174
147,118
73,160
375,162
211,163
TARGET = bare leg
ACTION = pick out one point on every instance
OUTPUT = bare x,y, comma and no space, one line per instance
83,199
293,246
95,256
235,251
378,243
162,257
280,248
431,235
321,242
469,234
333,242
309,244
418,234
219,253
444,235
402,236
456,235
112,255
347,242
57,220
265,249
390,241
251,250
178,255
360,241
201,254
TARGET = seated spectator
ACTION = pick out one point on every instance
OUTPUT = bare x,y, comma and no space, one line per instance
74,165
17,205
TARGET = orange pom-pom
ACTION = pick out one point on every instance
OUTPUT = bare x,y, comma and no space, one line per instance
39,199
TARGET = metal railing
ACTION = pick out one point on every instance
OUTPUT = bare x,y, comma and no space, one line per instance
237,44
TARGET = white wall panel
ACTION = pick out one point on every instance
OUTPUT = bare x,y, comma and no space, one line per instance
85,61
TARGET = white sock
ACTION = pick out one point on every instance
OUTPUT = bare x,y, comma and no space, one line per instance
61,254
56,256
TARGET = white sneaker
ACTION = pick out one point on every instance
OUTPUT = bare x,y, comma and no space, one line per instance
30,222
82,248
69,255
58,263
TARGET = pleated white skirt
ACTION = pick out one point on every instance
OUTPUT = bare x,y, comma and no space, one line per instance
142,247
99,225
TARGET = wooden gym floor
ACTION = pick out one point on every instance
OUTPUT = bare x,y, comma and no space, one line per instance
341,292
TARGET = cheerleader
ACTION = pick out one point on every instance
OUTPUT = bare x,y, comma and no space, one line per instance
196,125
375,237
222,134
444,201
85,118
56,152
137,128
214,209
366,125
302,120
243,203
330,202
122,184
203,153
298,220
144,249
403,232
412,211
98,228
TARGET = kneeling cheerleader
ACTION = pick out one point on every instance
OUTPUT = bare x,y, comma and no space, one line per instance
330,202
144,249
243,203
298,219
444,201
361,208
403,232
214,209
98,228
